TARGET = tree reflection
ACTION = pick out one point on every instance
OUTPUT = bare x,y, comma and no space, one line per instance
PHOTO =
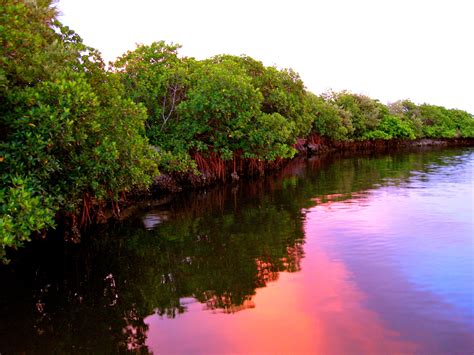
216,246
95,295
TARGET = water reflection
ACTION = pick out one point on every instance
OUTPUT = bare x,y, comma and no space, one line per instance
199,273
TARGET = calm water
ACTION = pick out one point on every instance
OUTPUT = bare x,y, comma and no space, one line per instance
352,255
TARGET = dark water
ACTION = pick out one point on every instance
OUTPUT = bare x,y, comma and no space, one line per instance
332,256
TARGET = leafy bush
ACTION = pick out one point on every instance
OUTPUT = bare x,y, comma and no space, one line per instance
154,76
226,105
283,91
22,211
464,123
220,106
349,116
66,131
391,127
365,113
270,138
330,121
442,122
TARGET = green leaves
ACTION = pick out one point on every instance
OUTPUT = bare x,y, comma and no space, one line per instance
271,137
331,120
64,124
221,105
21,212
344,115
441,122
69,128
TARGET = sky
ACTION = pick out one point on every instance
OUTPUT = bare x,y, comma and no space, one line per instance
387,49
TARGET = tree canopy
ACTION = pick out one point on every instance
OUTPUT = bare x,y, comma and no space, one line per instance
75,134
69,134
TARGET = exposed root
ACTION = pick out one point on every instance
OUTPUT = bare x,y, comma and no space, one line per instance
86,206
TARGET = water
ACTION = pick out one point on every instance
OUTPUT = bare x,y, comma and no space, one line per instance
332,256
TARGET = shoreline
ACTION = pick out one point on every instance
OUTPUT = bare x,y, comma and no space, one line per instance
169,187
168,183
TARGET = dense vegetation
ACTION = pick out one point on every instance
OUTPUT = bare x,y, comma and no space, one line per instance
75,135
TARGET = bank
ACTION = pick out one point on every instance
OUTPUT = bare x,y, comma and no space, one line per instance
237,168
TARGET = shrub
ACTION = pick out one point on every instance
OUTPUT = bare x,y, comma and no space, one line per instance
65,125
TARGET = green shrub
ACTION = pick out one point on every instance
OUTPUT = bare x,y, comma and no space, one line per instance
22,211
365,113
391,127
283,91
330,120
64,125
271,137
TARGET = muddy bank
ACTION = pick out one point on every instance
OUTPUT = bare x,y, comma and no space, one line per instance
232,171
316,145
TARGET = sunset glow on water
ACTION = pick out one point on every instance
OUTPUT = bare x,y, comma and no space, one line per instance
357,255
376,278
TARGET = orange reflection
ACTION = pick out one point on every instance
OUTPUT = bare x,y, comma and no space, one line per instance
318,310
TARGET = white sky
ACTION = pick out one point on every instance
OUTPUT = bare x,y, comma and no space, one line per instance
388,49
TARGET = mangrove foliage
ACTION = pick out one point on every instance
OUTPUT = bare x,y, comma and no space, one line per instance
76,135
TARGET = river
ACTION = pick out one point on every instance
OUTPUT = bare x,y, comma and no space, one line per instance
331,255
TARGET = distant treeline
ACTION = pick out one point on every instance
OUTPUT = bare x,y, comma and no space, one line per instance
75,134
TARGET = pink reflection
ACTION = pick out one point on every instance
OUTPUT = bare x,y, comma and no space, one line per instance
318,310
